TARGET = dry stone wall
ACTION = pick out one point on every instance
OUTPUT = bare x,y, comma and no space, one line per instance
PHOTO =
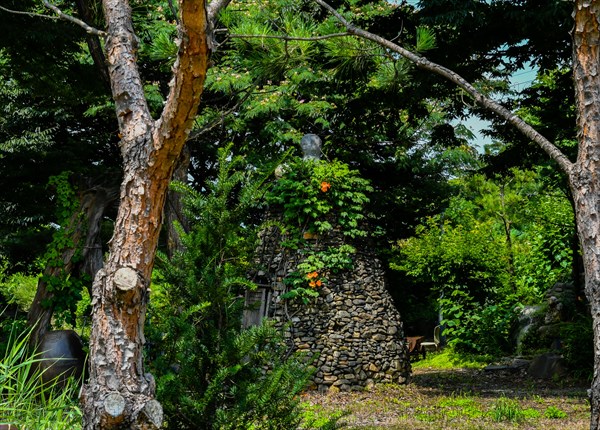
353,325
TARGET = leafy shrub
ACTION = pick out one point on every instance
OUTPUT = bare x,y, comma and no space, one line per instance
545,256
500,243
310,192
476,328
18,288
210,373
246,382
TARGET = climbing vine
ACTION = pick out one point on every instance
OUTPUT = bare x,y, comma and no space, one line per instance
316,198
64,250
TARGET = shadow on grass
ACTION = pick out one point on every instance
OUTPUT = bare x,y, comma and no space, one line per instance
478,382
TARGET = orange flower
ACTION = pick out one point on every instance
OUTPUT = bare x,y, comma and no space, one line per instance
317,283
312,275
325,186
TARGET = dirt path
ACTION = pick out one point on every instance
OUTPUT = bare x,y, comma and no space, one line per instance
461,399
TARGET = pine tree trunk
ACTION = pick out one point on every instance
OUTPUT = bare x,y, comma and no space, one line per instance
585,179
119,393
587,198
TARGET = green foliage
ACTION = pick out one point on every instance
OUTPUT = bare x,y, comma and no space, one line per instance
66,197
247,383
577,345
43,126
462,268
544,255
319,196
500,243
315,417
259,399
554,413
65,287
505,409
425,39
451,257
315,198
263,93
210,373
313,271
484,330
18,288
25,401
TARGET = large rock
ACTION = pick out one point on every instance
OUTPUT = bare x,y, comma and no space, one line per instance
547,366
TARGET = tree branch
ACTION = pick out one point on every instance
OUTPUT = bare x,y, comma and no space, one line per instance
213,9
89,29
198,133
189,72
274,36
32,14
93,42
565,164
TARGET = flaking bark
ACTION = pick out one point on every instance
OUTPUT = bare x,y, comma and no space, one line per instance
119,394
585,179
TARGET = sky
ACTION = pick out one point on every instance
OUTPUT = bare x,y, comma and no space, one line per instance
520,80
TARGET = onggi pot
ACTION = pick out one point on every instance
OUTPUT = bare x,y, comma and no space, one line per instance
62,356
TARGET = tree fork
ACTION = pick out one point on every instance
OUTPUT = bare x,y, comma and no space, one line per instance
119,394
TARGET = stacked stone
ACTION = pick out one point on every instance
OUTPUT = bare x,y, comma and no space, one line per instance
353,326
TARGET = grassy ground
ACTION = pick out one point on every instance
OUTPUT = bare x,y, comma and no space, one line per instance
461,398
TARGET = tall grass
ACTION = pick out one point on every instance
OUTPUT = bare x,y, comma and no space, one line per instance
27,403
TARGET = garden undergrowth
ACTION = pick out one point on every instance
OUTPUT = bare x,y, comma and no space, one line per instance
452,392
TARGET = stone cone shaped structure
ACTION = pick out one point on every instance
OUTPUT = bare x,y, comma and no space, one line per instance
352,326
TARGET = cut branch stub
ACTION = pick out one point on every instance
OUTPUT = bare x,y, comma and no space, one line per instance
126,279
114,406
